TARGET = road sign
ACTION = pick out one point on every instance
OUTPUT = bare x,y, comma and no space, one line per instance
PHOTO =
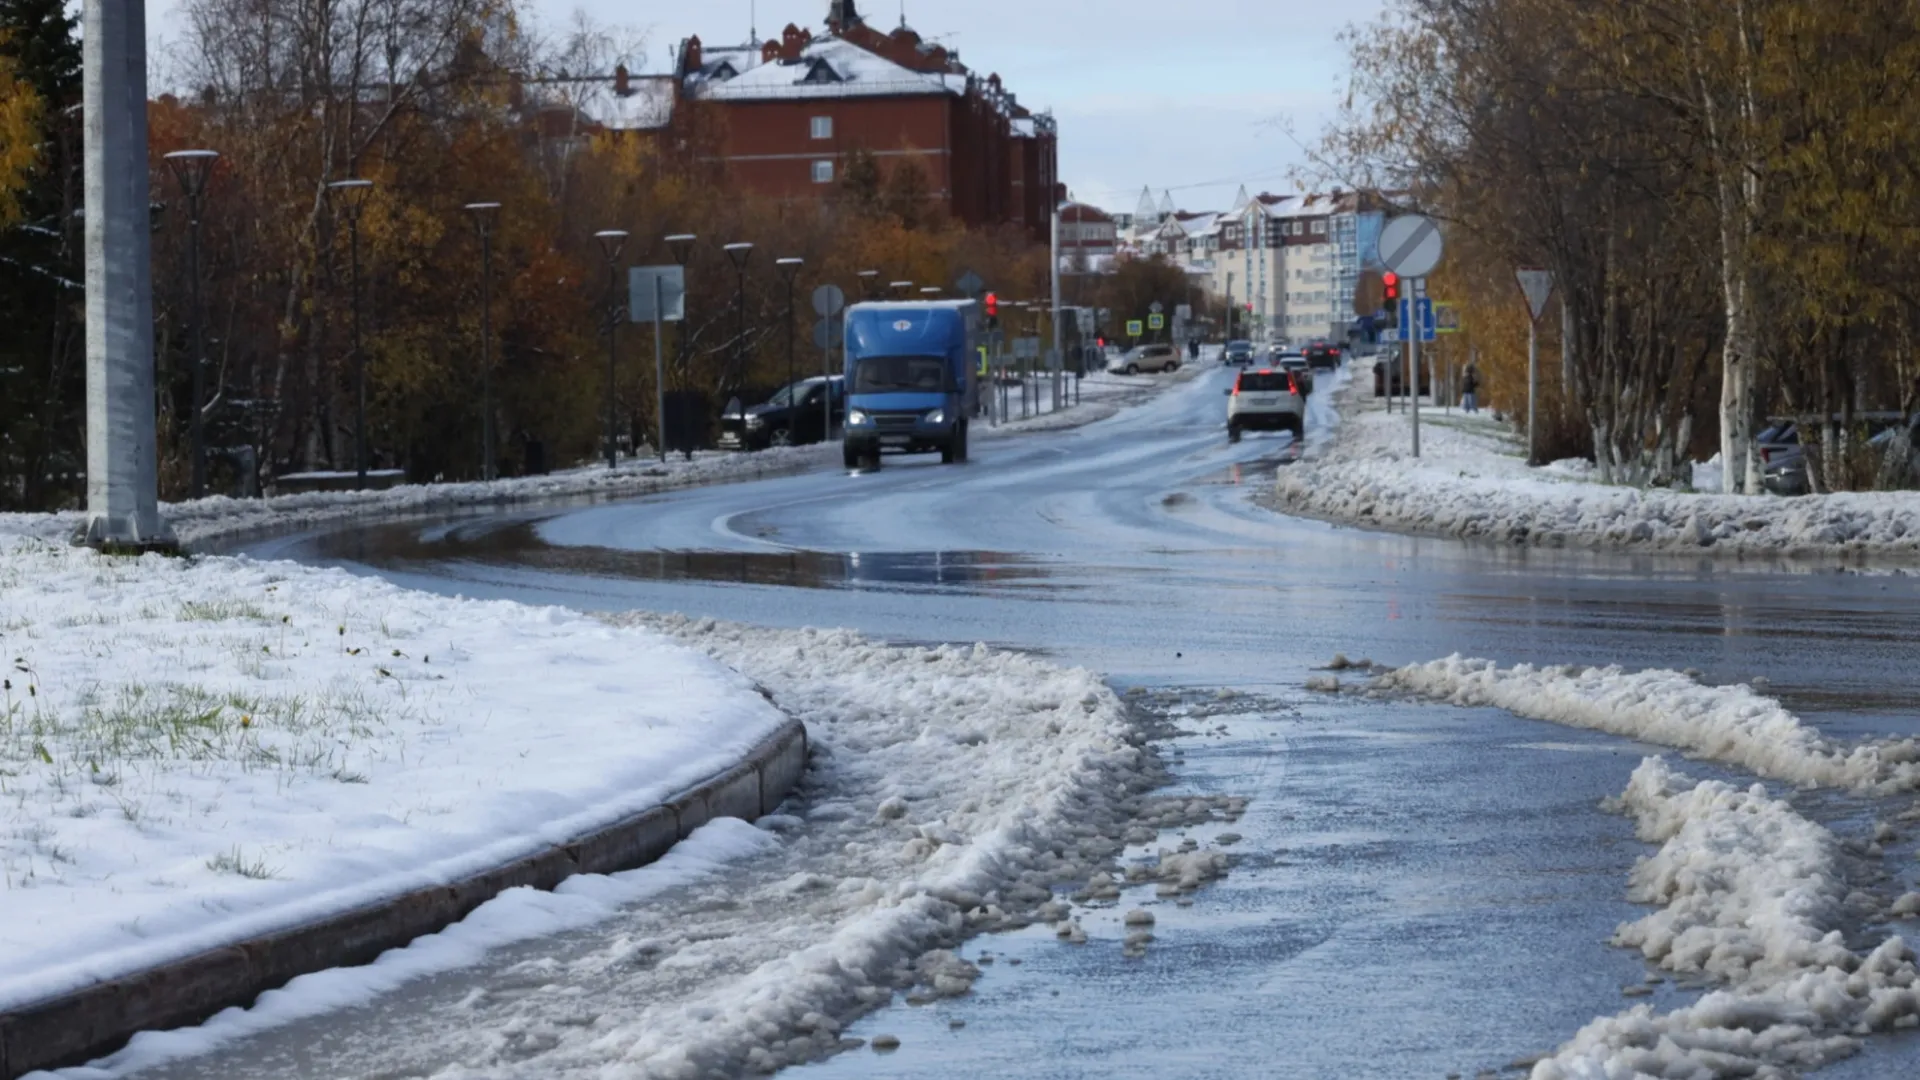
1536,285
970,285
1156,321
1156,307
1084,317
1446,318
1390,336
1026,348
828,300
673,293
1410,245
1134,329
1369,293
1421,315
829,333
1183,313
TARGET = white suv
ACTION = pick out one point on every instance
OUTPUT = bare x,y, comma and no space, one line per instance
1268,399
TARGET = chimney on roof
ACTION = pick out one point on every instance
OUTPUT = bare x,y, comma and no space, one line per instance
691,58
622,84
842,15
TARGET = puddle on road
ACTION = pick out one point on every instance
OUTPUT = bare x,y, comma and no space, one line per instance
519,545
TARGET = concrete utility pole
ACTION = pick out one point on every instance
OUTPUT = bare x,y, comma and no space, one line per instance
123,500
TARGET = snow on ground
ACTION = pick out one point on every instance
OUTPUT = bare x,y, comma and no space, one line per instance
1472,481
1101,394
198,751
950,790
1729,724
1752,894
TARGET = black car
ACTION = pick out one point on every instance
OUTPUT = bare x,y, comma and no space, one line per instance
793,416
1321,355
1239,352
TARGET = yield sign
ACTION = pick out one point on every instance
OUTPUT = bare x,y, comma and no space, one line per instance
1537,285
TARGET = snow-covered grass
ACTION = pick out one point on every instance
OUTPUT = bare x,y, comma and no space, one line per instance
1751,894
951,789
1729,724
193,752
1472,481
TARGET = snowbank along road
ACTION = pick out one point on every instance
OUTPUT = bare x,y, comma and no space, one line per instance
1472,482
1444,867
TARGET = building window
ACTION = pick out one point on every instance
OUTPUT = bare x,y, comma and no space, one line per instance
822,127
823,172
1320,228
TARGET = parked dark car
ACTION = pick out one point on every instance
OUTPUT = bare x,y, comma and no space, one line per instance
1783,460
1389,378
794,416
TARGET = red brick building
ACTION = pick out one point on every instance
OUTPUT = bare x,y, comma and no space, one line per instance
796,108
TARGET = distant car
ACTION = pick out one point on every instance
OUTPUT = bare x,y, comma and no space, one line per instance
1148,358
1267,399
1239,352
1783,459
794,416
1320,355
1302,371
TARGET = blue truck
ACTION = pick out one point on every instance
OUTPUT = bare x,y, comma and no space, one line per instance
910,380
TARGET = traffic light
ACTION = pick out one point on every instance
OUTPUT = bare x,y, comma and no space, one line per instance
1390,283
993,306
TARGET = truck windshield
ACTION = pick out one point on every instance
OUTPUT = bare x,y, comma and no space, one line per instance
894,374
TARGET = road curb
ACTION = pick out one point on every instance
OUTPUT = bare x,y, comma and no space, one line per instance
77,1027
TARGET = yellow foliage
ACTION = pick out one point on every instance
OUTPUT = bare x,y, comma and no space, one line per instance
20,112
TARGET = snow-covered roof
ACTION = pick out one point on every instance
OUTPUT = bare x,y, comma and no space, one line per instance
647,106
827,68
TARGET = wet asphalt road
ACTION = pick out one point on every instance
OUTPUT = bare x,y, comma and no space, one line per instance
1421,890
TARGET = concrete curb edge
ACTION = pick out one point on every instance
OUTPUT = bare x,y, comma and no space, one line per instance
89,1023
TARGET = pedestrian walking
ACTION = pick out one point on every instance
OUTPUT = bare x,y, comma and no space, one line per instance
1470,390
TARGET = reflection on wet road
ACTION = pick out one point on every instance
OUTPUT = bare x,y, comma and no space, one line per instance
1423,890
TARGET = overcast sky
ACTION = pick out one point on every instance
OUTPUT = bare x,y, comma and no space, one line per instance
1191,96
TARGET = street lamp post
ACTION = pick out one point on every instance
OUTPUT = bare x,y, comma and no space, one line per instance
483,214
739,254
789,269
901,289
193,168
681,247
611,241
353,196
869,283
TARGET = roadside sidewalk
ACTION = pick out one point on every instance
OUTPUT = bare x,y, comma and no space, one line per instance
1102,394
1472,482
214,752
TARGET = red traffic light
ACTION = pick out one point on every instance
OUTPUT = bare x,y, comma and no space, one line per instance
993,305
1391,281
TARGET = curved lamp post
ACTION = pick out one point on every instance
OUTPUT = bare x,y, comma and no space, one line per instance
193,168
352,196
870,283
611,243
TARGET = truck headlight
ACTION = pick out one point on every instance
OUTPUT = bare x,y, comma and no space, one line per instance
937,416
856,418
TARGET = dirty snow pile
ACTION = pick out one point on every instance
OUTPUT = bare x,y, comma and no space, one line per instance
1730,724
193,752
1751,892
1471,481
218,516
950,790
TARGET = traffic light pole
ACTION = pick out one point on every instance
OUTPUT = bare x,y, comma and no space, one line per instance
1413,358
